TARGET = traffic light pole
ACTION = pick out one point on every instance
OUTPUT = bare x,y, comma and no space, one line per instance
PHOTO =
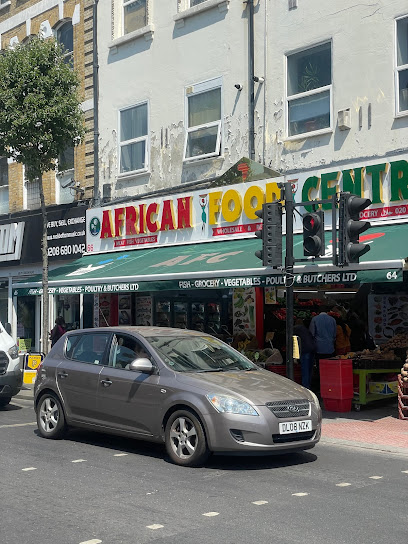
289,278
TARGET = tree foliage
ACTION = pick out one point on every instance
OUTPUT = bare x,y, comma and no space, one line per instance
40,113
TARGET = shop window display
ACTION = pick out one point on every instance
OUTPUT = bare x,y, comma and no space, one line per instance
26,316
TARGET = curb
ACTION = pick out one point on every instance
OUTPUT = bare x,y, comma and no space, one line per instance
381,448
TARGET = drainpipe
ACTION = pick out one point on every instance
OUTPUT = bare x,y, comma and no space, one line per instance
251,83
96,192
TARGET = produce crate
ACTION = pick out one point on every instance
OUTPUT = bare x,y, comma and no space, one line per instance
337,405
402,385
402,410
336,379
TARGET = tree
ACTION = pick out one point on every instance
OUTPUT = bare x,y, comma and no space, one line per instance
40,116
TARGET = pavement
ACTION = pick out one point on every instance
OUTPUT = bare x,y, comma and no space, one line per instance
375,427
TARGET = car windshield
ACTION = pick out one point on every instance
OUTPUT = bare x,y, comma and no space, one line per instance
199,354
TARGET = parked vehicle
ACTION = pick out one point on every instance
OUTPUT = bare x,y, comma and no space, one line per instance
11,371
184,388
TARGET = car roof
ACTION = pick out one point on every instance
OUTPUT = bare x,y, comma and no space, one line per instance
144,331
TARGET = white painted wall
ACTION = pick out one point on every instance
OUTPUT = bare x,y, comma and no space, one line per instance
214,44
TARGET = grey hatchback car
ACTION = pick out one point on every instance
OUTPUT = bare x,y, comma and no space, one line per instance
184,388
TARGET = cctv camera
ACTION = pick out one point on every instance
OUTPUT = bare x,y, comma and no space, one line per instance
238,86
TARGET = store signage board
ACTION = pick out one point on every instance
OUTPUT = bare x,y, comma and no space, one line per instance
330,279
11,241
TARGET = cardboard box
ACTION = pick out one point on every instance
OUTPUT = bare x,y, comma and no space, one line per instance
383,388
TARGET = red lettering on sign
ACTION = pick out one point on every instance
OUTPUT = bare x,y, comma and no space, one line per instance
106,229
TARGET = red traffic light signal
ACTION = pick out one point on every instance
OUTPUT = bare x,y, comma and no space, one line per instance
313,234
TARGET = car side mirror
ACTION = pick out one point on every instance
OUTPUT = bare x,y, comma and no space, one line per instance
142,365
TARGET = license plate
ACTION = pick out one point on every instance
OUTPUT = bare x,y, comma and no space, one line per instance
295,426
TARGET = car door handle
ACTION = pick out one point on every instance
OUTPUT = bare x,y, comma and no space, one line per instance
62,375
106,383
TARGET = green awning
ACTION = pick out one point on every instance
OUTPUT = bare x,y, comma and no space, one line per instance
219,265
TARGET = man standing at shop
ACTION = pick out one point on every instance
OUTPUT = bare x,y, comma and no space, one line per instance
323,328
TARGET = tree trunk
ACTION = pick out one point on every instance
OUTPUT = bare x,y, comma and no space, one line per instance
45,296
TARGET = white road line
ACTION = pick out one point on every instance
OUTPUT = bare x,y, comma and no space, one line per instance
404,471
17,425
375,477
154,526
94,541
343,484
211,514
120,454
260,502
27,469
79,461
299,494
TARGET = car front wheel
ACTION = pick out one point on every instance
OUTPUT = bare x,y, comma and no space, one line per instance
185,439
4,401
50,417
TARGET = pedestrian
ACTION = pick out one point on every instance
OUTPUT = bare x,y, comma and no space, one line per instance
58,330
323,328
307,350
343,333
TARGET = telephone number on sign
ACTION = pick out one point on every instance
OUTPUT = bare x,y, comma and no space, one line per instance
66,250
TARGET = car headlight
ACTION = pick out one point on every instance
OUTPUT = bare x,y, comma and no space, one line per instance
231,405
13,352
315,399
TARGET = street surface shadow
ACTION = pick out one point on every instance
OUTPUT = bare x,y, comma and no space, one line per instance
157,451
10,408
370,412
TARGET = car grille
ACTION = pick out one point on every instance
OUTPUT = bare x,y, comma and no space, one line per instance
295,437
289,408
3,363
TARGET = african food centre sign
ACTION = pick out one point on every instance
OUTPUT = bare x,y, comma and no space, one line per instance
228,212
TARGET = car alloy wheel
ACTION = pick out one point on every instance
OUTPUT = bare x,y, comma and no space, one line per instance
185,439
50,417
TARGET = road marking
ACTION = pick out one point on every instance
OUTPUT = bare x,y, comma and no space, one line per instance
79,461
299,494
120,454
343,484
94,541
404,471
154,526
211,514
17,425
375,477
260,502
27,469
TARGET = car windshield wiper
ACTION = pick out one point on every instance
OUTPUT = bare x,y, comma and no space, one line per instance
252,368
210,370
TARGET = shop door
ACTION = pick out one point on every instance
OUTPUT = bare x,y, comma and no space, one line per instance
128,400
77,375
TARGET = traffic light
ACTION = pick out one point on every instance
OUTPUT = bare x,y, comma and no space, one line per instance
313,234
350,228
271,234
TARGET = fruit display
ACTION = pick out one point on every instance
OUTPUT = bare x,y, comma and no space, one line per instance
397,341
404,373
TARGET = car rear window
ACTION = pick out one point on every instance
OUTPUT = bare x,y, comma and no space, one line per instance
87,348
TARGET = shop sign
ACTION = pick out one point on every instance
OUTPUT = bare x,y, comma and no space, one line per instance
66,233
11,241
228,212
222,213
311,278
384,181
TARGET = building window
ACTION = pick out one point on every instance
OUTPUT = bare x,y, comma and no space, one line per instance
133,139
134,15
4,186
32,193
402,65
309,88
65,182
196,2
65,36
203,135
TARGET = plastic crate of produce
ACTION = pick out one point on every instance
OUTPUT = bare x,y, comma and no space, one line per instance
403,385
336,379
337,405
402,410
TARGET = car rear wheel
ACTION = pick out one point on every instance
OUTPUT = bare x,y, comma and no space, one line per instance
50,417
4,401
185,439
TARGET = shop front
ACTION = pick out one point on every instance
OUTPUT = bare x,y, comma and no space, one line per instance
187,260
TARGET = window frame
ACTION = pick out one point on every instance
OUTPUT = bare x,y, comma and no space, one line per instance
305,94
6,188
25,193
106,352
200,88
124,4
145,138
67,54
398,69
